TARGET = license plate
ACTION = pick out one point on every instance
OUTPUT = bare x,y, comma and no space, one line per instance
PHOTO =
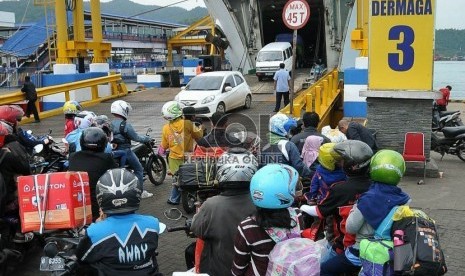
269,74
52,264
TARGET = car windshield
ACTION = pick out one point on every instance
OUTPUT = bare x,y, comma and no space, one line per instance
270,56
205,83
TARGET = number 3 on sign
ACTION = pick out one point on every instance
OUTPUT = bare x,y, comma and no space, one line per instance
406,36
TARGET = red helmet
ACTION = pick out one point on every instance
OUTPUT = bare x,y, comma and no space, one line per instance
11,114
5,129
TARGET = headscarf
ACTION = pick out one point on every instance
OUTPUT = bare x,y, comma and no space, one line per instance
310,149
377,202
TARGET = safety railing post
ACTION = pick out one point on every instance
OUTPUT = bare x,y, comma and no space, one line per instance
94,90
67,96
325,93
330,86
318,100
309,102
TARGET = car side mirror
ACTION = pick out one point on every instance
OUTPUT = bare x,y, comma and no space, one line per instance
227,88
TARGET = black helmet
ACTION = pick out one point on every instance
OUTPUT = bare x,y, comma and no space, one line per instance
118,191
236,168
94,139
356,155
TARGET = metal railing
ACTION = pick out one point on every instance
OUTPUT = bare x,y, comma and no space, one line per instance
118,89
321,97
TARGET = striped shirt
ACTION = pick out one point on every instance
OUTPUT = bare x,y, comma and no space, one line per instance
252,246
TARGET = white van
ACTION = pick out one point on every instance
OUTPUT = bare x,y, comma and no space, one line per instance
269,58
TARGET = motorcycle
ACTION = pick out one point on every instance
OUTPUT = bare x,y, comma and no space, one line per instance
450,140
154,165
59,256
47,158
443,119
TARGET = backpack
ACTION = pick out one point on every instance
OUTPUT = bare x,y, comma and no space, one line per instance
411,248
419,251
292,255
295,257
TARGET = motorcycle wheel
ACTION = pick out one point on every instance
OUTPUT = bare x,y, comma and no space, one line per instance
461,150
188,201
156,169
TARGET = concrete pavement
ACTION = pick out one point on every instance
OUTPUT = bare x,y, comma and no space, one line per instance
441,198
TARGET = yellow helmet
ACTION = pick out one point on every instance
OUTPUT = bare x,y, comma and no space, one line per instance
327,157
71,107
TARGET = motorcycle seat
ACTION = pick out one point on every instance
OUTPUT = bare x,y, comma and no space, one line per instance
445,113
451,132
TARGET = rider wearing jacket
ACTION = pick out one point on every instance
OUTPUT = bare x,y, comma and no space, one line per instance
123,134
339,201
280,150
121,242
231,206
93,160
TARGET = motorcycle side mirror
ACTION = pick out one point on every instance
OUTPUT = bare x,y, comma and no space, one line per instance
51,250
173,214
38,148
149,130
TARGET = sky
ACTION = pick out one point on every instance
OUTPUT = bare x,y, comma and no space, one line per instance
449,13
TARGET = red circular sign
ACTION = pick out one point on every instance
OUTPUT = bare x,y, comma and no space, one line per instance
296,14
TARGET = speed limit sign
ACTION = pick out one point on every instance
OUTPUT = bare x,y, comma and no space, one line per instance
296,14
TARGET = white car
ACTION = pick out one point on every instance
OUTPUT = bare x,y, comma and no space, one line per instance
216,91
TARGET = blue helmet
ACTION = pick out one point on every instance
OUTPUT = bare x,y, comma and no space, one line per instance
280,124
274,186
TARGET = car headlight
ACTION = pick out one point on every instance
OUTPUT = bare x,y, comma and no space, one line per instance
208,99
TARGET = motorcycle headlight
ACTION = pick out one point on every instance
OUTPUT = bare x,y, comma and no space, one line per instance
208,99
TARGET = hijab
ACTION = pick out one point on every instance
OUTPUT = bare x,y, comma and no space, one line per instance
310,150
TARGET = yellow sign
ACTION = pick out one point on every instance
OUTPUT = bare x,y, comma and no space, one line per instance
401,44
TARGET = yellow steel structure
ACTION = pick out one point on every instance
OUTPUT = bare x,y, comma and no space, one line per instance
78,47
323,97
359,36
118,89
180,40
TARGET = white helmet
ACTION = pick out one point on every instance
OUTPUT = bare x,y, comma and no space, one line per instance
171,110
85,119
121,108
236,168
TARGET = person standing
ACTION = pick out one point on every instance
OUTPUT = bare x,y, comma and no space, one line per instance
444,101
31,96
282,82
199,69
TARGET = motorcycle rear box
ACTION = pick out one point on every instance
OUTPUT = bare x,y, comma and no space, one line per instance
64,204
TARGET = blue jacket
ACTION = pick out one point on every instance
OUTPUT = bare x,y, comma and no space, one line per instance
288,155
323,179
123,140
74,141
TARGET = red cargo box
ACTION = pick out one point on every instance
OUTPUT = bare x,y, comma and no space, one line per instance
61,198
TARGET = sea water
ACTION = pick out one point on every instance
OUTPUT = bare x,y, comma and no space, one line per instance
450,73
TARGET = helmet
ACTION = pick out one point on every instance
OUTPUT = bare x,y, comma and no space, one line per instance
94,139
236,168
118,191
85,119
11,114
274,186
356,155
280,124
171,110
103,122
71,107
387,166
121,108
5,129
327,157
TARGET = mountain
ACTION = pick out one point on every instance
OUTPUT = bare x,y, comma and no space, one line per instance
450,42
116,7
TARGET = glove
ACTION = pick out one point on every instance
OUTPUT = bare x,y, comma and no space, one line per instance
161,151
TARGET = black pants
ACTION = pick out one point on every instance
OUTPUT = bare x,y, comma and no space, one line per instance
31,108
280,95
442,108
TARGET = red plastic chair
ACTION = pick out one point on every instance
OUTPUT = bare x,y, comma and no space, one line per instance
414,149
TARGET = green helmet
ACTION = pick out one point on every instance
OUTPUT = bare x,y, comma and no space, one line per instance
387,166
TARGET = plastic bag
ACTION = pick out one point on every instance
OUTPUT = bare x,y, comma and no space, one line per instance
333,134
